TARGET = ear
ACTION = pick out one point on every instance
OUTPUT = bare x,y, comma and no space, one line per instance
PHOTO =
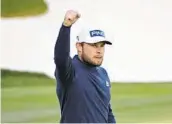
79,47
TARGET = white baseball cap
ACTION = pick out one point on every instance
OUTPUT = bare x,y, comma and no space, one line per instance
92,35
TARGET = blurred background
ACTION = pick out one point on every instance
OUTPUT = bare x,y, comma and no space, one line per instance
138,63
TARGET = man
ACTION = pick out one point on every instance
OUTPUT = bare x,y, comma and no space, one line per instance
83,87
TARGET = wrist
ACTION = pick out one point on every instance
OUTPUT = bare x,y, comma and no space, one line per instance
65,27
66,24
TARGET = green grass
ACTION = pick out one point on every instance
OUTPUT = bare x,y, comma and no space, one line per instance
22,79
22,8
134,102
151,102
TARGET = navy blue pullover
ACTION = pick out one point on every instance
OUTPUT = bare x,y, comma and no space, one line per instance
83,90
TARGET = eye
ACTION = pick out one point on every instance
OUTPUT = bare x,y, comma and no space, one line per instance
103,44
93,44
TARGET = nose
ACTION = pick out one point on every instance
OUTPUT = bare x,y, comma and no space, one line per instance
99,49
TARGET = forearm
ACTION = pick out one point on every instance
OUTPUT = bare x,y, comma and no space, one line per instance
62,55
62,46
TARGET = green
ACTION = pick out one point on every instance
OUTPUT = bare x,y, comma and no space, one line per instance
22,8
37,101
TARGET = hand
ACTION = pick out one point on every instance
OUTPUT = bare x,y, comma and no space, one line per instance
71,17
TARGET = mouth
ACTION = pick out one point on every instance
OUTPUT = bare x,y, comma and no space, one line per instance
98,57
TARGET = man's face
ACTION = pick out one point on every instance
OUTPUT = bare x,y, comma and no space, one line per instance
92,53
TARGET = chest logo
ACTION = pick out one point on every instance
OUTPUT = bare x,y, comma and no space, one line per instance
107,83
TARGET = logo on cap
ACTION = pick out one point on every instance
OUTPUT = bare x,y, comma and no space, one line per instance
94,33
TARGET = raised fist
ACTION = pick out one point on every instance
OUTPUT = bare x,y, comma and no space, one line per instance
71,17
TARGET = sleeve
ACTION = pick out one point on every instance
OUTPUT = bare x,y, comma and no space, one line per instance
62,57
111,117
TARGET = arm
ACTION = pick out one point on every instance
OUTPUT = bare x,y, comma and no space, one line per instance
111,118
62,57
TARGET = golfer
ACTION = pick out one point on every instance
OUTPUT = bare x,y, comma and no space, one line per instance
83,86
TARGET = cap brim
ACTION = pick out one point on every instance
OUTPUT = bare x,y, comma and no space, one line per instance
108,42
105,41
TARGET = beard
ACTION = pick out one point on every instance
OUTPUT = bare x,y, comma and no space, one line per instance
90,61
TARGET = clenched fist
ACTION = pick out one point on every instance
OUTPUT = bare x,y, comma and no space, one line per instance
71,17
